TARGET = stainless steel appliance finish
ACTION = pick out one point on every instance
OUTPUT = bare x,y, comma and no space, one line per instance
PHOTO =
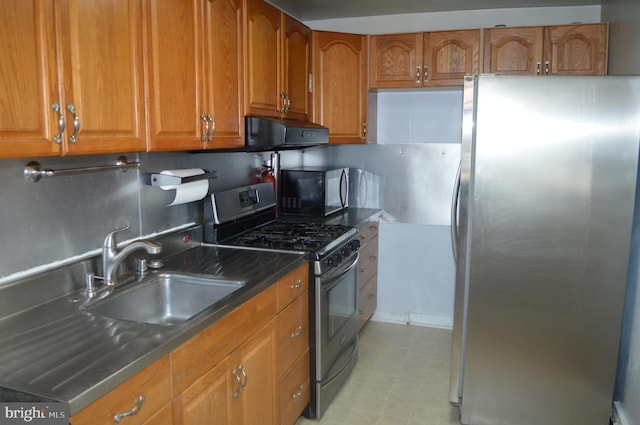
547,189
313,191
268,134
249,221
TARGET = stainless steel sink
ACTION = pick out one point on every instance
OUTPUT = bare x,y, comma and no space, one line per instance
166,299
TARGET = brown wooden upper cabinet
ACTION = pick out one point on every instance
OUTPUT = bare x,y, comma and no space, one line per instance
423,59
278,63
71,77
554,50
194,69
340,92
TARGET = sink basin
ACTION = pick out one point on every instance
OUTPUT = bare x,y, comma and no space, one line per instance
166,299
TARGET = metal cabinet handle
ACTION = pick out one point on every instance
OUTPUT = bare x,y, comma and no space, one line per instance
418,74
361,237
538,68
426,74
76,123
283,108
361,269
297,332
244,375
135,409
364,129
360,311
373,227
288,103
372,258
58,137
297,285
371,295
213,126
547,64
203,117
237,392
299,393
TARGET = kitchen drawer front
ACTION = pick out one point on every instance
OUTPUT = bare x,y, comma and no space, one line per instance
294,391
368,262
292,285
196,356
152,383
292,332
368,300
368,231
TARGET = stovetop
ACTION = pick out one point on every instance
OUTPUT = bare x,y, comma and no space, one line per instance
292,236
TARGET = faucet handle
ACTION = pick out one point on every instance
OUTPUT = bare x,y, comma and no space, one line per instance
110,239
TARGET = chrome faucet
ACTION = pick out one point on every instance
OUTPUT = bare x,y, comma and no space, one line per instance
111,258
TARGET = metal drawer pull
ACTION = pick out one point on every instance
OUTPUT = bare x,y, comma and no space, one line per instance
58,137
546,67
139,402
371,295
76,123
538,68
373,227
213,127
372,258
418,74
362,237
361,269
297,285
299,393
297,332
244,375
237,392
203,117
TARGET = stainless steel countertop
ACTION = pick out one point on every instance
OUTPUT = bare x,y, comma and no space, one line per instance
55,351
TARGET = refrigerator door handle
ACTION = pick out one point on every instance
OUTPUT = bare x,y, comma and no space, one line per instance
455,199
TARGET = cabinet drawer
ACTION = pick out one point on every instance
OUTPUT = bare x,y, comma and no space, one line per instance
292,285
368,262
368,300
294,391
368,231
292,332
196,356
152,383
163,417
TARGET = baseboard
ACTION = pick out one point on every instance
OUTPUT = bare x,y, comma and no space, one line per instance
619,417
413,319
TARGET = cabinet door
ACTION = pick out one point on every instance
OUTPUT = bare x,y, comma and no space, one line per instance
223,76
395,61
297,68
340,94
264,59
576,49
254,362
28,86
101,46
449,56
513,51
174,74
209,400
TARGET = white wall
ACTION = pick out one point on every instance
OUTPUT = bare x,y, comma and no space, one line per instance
624,58
460,20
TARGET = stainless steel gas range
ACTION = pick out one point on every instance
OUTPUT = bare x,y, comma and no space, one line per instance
245,216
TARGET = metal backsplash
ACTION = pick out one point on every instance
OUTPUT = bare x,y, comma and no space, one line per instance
66,216
413,183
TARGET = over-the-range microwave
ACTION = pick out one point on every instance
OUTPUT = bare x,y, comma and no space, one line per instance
313,191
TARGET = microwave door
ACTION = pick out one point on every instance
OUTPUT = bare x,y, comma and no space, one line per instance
344,188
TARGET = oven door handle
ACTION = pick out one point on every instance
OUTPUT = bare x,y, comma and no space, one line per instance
332,281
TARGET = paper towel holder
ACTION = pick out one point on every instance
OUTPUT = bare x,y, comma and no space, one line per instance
157,179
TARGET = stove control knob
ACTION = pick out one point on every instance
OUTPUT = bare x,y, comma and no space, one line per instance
330,262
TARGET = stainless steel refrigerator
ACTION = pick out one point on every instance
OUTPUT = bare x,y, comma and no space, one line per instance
542,221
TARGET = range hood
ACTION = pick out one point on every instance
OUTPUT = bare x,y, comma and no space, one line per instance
262,134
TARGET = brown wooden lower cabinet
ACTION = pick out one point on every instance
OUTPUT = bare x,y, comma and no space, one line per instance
251,367
153,384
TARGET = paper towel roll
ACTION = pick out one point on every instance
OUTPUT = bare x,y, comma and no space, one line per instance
187,192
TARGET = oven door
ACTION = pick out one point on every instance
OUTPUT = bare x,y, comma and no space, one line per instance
336,317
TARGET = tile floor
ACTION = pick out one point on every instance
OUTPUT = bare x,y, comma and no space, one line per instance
402,378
